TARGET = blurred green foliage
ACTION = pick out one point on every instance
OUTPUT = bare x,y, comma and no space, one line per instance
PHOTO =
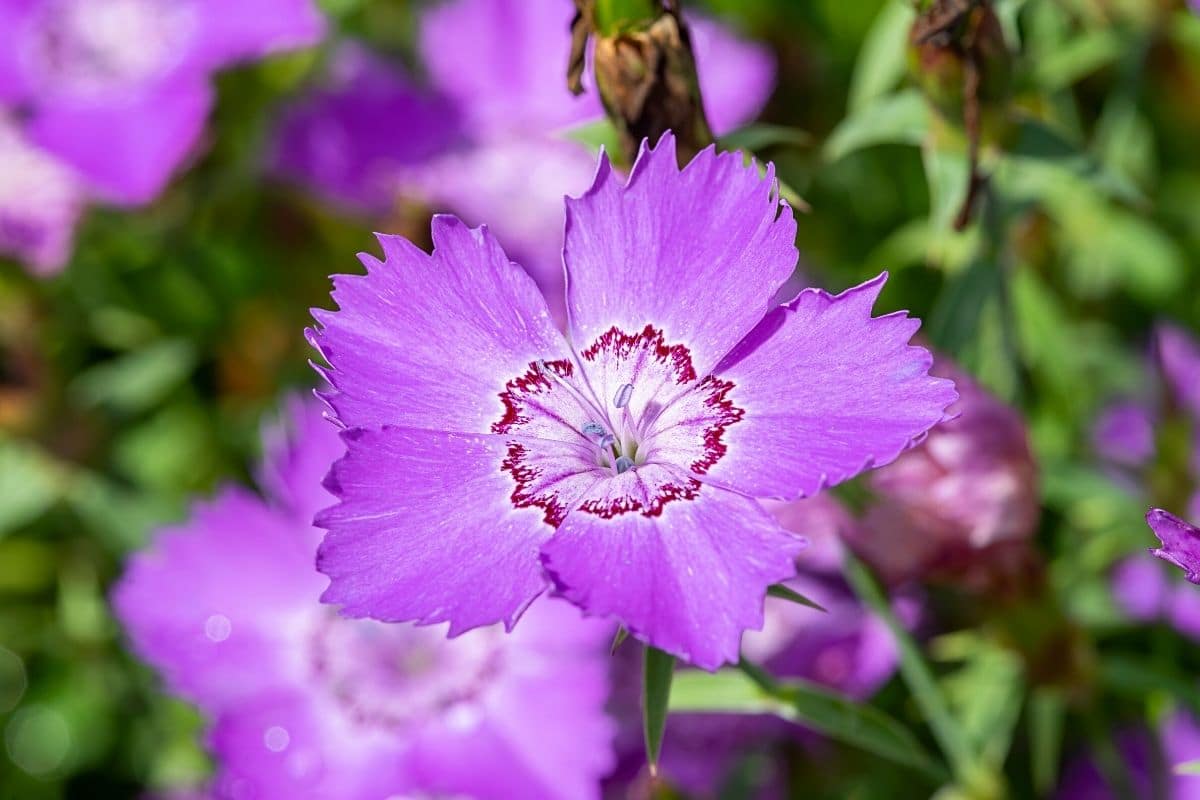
138,378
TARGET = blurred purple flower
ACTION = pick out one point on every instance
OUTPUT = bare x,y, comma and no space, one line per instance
480,137
1124,434
1148,769
40,200
970,488
307,704
492,458
1179,357
117,91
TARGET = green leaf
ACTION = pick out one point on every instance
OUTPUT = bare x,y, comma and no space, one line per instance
1076,57
1188,768
784,592
901,118
139,380
839,717
956,315
658,670
946,730
1047,709
30,482
881,61
595,135
618,639
759,136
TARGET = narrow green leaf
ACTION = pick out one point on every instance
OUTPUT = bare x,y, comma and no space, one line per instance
841,718
1046,713
759,136
620,637
916,673
881,61
1188,768
659,669
957,312
139,380
787,593
901,118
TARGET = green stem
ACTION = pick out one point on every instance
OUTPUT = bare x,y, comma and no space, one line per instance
916,674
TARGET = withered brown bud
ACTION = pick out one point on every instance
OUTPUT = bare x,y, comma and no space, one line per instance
959,58
647,81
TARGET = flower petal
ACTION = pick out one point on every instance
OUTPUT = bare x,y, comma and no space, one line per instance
126,151
542,732
427,530
209,606
517,187
40,202
828,391
242,30
1180,542
298,450
1180,357
429,341
504,62
697,253
686,576
287,743
353,139
736,75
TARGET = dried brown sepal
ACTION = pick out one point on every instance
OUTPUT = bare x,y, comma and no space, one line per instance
647,80
962,63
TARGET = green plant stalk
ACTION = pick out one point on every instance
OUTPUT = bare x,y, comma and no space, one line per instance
658,671
616,16
916,674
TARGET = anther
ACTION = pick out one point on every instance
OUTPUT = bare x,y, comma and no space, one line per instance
593,429
624,464
623,394
607,440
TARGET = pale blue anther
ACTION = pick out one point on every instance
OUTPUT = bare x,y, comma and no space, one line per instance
607,440
623,394
624,464
593,429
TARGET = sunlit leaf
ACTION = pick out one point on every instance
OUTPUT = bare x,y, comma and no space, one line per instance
658,671
901,118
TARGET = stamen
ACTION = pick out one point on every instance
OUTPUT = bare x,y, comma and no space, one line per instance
607,440
593,429
624,464
623,394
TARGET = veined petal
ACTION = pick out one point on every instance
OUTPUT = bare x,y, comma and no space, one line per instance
697,253
429,341
686,576
828,391
431,528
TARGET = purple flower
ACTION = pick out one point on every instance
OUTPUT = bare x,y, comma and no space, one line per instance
491,459
306,704
1179,356
1149,769
118,90
1124,434
481,137
40,200
846,649
1180,542
970,487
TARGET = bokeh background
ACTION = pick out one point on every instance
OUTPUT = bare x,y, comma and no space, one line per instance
139,377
